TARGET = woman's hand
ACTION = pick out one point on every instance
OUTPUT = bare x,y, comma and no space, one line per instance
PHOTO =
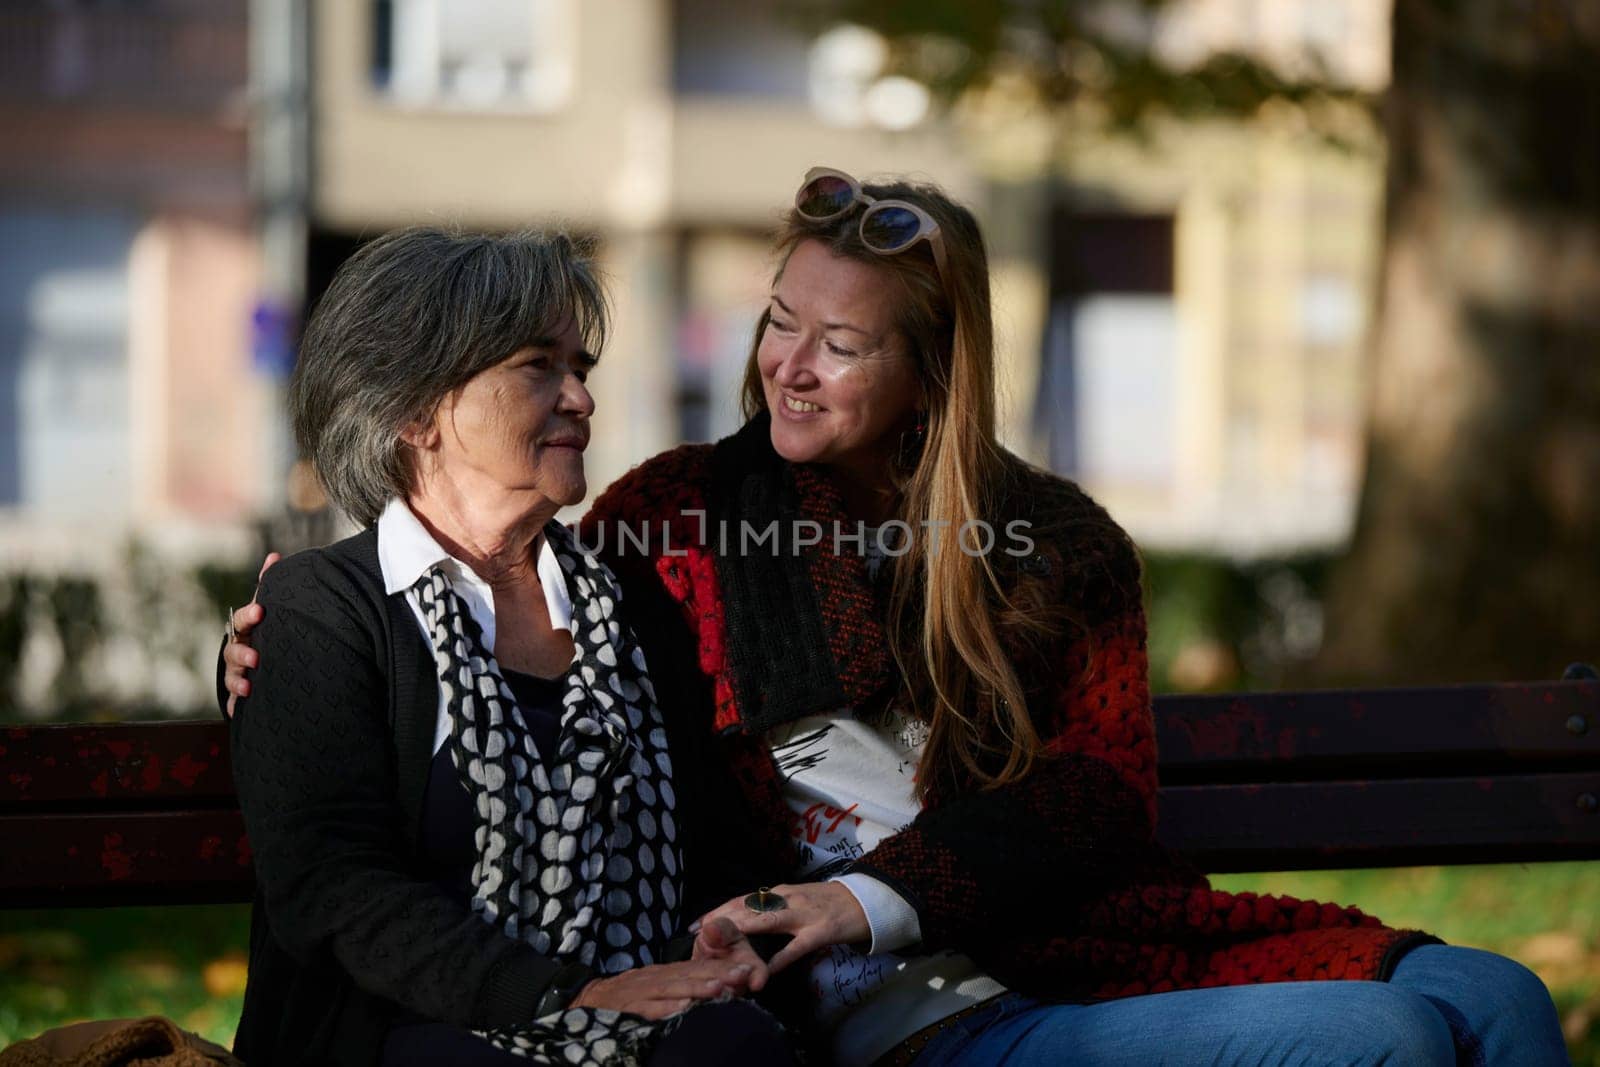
664,989
722,941
818,914
238,654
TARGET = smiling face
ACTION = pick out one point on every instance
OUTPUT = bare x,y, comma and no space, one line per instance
516,431
835,371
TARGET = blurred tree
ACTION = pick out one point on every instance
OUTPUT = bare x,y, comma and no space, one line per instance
1087,60
1477,545
1476,552
79,617
14,610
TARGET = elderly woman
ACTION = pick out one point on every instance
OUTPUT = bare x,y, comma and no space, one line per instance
925,662
454,769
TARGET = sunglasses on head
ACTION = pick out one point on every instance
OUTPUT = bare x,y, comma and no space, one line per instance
888,227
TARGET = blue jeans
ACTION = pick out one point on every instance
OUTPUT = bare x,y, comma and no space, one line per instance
1444,1005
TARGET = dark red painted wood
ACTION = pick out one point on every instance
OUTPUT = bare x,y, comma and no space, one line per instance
173,856
1402,822
1251,736
1292,736
115,765
118,813
203,855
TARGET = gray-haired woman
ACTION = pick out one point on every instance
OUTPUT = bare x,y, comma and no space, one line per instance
468,810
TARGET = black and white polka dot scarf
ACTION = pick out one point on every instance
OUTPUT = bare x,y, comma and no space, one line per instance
578,858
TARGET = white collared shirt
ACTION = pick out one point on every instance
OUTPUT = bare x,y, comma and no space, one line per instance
406,550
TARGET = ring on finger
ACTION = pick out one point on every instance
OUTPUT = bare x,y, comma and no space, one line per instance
765,899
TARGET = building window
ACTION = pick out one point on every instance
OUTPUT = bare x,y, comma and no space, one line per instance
1330,310
475,54
1106,400
746,50
723,277
65,436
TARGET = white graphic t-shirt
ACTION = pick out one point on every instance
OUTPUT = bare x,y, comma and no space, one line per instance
849,784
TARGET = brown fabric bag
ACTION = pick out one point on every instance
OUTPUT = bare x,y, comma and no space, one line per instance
148,1042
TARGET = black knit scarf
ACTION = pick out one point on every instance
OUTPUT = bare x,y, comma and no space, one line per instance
579,859
778,648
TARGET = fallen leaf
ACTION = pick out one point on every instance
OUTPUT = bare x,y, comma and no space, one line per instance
225,976
1553,948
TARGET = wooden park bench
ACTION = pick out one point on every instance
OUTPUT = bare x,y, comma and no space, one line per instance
142,813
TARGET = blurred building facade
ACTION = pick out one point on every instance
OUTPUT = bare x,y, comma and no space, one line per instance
1181,320
128,272
1209,292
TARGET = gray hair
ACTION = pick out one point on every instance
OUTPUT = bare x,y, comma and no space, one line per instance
407,320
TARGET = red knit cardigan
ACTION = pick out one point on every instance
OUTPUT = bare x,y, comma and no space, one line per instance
1055,885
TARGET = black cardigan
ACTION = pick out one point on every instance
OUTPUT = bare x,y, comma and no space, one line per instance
330,756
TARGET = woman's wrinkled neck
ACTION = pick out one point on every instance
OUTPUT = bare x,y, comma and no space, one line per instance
495,534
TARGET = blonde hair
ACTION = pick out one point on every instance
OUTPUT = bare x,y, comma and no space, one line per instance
959,678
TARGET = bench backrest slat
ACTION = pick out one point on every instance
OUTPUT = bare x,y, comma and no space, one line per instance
1460,729
1233,737
115,765
127,812
169,857
1399,822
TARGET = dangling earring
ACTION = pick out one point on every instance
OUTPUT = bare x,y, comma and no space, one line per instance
911,441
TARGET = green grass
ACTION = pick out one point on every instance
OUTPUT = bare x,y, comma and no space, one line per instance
182,962
59,966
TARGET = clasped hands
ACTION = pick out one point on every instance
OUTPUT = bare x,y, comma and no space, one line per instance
814,916
724,963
